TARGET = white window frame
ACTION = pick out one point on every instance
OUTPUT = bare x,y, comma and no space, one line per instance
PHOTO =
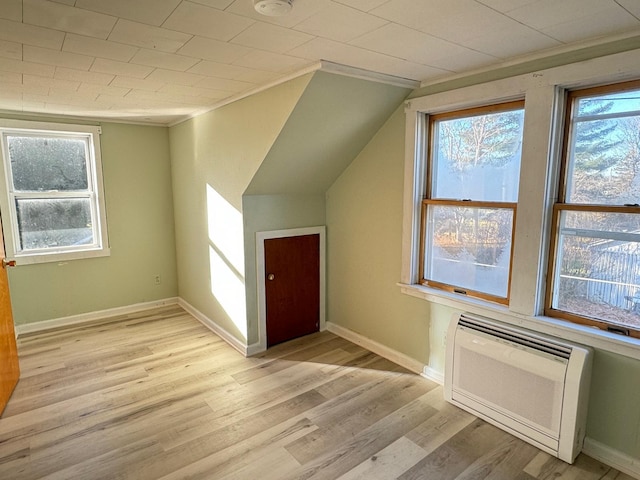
544,94
91,135
539,121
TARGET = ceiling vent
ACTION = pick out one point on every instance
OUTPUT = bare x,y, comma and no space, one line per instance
273,8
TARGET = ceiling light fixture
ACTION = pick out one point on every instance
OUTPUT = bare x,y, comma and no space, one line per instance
273,8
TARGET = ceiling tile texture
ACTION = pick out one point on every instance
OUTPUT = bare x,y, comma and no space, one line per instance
160,61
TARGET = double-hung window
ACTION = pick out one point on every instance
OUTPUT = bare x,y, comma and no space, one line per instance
468,213
54,205
595,260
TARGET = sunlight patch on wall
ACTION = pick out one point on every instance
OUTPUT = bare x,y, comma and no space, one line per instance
226,258
225,229
228,289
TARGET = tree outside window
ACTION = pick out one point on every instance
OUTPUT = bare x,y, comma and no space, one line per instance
596,250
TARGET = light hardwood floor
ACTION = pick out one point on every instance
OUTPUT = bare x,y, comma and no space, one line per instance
158,396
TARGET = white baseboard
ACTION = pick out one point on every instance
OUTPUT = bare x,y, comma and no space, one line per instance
613,458
254,349
433,375
91,316
377,348
245,350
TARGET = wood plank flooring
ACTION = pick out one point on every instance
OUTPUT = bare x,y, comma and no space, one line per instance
156,395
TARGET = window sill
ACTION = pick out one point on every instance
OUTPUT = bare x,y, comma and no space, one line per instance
27,259
590,336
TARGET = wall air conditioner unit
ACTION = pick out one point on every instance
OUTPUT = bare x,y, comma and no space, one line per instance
532,386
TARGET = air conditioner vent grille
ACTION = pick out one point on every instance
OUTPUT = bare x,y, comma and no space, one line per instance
516,337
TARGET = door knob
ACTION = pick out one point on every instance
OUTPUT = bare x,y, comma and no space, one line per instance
8,263
271,277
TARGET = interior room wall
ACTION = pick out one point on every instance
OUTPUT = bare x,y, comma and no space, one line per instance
137,184
214,157
258,164
364,234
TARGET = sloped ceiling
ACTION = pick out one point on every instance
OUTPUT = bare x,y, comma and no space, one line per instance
334,119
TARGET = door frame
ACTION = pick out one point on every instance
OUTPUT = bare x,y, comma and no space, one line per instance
260,275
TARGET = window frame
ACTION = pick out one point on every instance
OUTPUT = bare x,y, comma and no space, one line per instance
427,200
561,205
90,135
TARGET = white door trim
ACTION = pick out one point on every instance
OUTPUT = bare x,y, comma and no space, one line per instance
262,304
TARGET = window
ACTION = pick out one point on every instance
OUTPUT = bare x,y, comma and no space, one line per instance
468,215
577,222
54,197
596,261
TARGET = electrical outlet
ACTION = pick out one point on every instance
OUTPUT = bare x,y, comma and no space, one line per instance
157,279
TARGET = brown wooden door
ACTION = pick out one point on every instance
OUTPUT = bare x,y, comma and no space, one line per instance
9,367
292,287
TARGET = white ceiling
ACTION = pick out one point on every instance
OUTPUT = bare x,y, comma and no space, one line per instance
158,61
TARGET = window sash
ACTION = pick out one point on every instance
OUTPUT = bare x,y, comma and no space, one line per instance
572,119
433,146
425,246
95,223
89,159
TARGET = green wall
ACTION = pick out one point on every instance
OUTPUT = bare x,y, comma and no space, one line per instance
137,182
214,157
331,123
614,416
262,163
364,235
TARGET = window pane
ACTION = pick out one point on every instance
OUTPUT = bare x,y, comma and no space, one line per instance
604,155
618,102
47,163
469,248
478,157
598,266
48,223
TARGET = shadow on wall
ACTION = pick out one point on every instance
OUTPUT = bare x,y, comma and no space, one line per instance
226,258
